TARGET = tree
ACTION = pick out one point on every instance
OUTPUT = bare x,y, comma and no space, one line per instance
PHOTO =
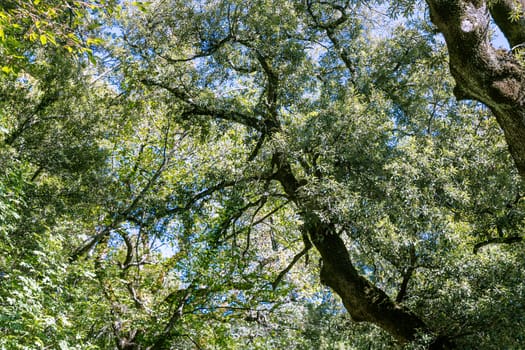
187,190
297,79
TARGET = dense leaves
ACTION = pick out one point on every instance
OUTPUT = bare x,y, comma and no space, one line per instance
28,26
189,189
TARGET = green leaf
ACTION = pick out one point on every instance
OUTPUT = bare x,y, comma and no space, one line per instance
91,57
94,41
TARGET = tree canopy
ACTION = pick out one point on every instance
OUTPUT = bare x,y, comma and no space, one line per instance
262,174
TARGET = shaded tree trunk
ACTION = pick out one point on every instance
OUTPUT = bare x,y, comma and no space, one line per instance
362,299
483,73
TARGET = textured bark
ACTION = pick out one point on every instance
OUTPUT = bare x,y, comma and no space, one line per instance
483,73
362,299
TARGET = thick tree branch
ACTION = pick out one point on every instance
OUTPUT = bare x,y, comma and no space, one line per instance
272,93
330,29
327,24
407,274
497,240
129,250
363,300
483,73
257,148
32,119
197,108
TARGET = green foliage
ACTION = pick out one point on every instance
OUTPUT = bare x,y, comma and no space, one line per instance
139,201
29,26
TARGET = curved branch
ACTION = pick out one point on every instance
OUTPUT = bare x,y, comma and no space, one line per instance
330,29
296,258
129,250
331,24
363,300
407,275
271,122
183,297
196,108
497,240
213,48
262,201
201,195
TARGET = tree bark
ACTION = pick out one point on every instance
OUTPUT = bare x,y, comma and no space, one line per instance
494,77
362,299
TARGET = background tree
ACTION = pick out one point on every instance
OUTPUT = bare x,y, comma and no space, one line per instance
26,26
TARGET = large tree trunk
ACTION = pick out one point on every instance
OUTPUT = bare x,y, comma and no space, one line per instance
362,299
492,76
